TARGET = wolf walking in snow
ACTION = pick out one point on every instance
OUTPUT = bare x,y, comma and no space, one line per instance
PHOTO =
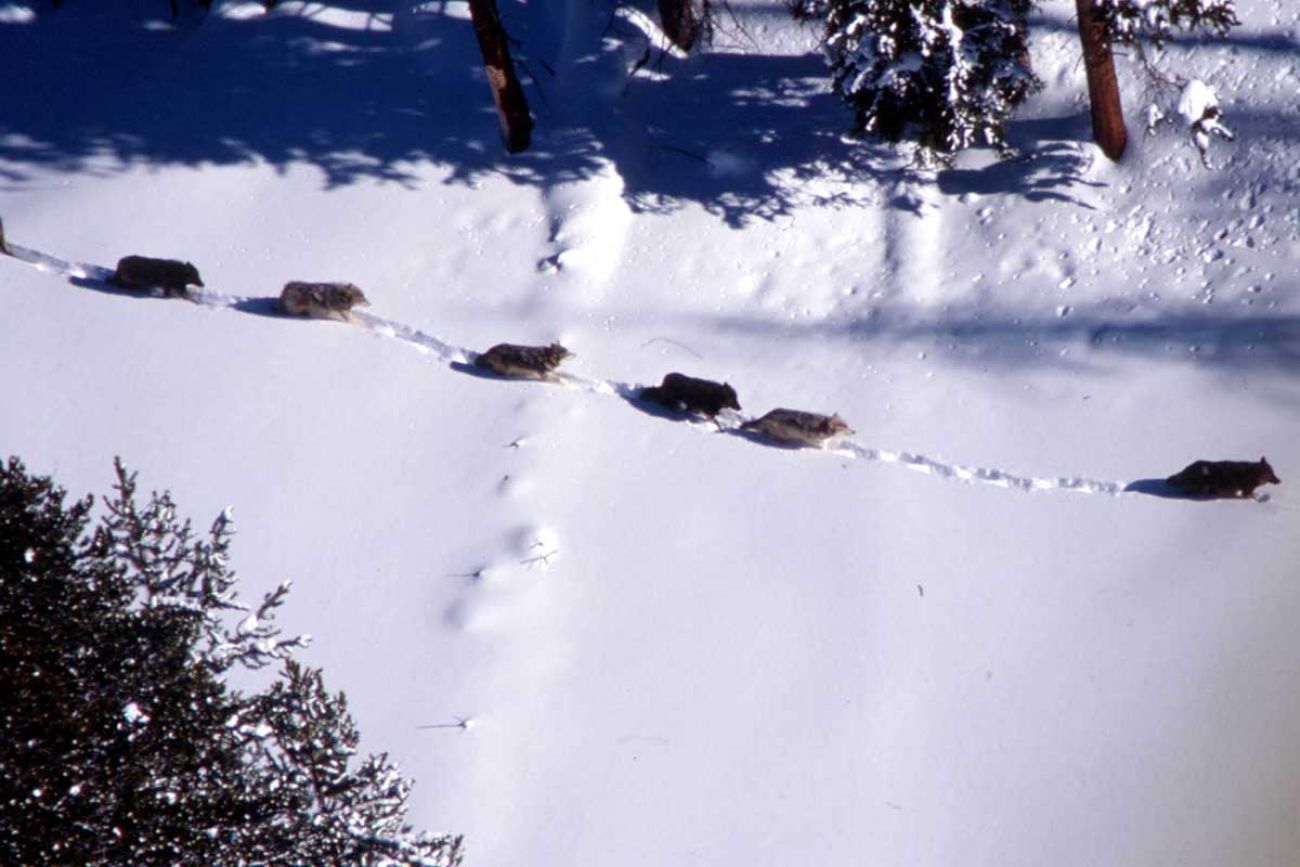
1223,478
796,427
321,300
686,393
145,272
523,362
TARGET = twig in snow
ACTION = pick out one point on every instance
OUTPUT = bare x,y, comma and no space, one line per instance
462,722
540,558
674,343
684,152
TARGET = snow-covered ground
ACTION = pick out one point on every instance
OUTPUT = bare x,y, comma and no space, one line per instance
953,640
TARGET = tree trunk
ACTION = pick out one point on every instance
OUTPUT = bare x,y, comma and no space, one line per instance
679,22
1103,87
512,107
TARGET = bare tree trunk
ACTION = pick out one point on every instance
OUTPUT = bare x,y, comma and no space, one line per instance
680,23
1103,87
512,107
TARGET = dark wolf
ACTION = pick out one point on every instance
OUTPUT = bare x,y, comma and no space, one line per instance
1223,478
686,393
145,272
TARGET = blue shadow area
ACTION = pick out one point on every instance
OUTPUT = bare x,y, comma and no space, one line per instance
368,90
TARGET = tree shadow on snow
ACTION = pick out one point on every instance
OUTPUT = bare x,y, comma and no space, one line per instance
113,83
978,337
1047,167
370,90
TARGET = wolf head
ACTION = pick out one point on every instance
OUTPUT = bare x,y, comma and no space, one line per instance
356,297
728,396
1266,473
836,426
191,273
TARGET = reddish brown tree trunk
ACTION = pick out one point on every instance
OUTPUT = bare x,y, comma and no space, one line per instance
512,107
680,23
1103,87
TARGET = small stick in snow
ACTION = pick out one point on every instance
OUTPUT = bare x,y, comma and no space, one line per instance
544,559
463,723
676,343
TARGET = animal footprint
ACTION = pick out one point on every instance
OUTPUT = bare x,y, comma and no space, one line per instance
497,594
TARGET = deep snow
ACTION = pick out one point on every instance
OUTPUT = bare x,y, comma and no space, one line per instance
676,645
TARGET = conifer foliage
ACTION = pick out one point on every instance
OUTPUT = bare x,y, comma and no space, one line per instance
120,739
943,74
1128,22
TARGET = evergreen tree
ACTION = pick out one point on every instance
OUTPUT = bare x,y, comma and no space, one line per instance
943,74
120,740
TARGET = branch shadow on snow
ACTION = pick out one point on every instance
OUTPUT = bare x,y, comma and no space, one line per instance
1049,163
363,95
114,84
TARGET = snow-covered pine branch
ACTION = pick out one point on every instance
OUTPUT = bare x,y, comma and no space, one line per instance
942,74
1130,22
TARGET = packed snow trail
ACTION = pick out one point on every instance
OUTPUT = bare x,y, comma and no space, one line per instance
45,262
997,478
461,358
